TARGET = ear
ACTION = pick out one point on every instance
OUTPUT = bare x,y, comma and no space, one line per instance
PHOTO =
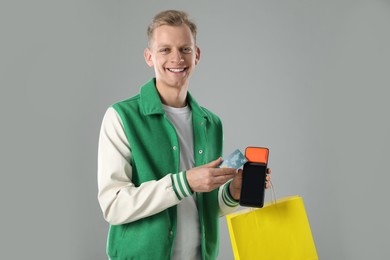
148,57
197,55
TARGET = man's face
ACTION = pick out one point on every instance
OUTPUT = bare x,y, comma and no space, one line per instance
173,54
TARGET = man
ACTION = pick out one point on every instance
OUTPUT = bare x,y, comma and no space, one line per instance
159,185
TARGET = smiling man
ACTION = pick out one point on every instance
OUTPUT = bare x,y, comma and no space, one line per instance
173,59
160,187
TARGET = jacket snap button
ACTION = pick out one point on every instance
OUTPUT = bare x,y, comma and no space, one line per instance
200,151
174,148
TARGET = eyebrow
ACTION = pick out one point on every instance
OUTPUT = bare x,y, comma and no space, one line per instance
168,45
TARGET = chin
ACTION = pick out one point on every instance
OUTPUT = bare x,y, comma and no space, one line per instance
179,82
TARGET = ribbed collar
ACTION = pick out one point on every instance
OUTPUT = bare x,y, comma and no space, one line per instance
151,103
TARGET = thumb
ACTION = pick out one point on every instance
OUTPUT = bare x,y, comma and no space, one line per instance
213,164
239,173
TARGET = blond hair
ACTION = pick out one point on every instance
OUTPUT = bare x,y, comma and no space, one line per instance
172,18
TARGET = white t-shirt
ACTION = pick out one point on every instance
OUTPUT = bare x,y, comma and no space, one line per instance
188,242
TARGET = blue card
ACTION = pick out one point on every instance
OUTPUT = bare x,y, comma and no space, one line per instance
235,160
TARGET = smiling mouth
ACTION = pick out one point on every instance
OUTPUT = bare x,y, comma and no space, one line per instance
177,70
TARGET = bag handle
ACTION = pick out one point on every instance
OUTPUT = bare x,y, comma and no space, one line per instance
273,193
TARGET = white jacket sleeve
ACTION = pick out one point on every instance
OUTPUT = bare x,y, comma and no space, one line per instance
227,204
119,199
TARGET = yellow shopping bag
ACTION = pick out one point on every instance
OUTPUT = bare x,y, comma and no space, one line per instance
278,231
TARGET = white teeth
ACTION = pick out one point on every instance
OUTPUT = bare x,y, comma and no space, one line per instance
176,70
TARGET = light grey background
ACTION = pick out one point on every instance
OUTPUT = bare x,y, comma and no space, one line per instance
308,79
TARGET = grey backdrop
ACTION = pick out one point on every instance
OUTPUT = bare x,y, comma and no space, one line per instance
308,79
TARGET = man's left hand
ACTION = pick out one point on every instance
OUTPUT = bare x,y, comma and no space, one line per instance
235,185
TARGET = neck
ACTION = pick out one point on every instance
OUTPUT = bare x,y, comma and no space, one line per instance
173,97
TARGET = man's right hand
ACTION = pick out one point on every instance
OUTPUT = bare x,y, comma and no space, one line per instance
207,177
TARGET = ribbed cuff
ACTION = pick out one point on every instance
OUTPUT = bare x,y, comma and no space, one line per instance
180,185
227,197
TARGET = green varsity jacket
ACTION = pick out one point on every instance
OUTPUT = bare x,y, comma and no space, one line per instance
155,153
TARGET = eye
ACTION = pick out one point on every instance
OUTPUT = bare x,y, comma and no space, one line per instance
187,50
163,50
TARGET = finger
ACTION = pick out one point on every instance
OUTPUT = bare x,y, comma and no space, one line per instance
268,178
267,185
268,171
239,172
224,171
213,164
221,179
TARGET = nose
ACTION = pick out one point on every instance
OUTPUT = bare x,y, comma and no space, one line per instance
177,57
